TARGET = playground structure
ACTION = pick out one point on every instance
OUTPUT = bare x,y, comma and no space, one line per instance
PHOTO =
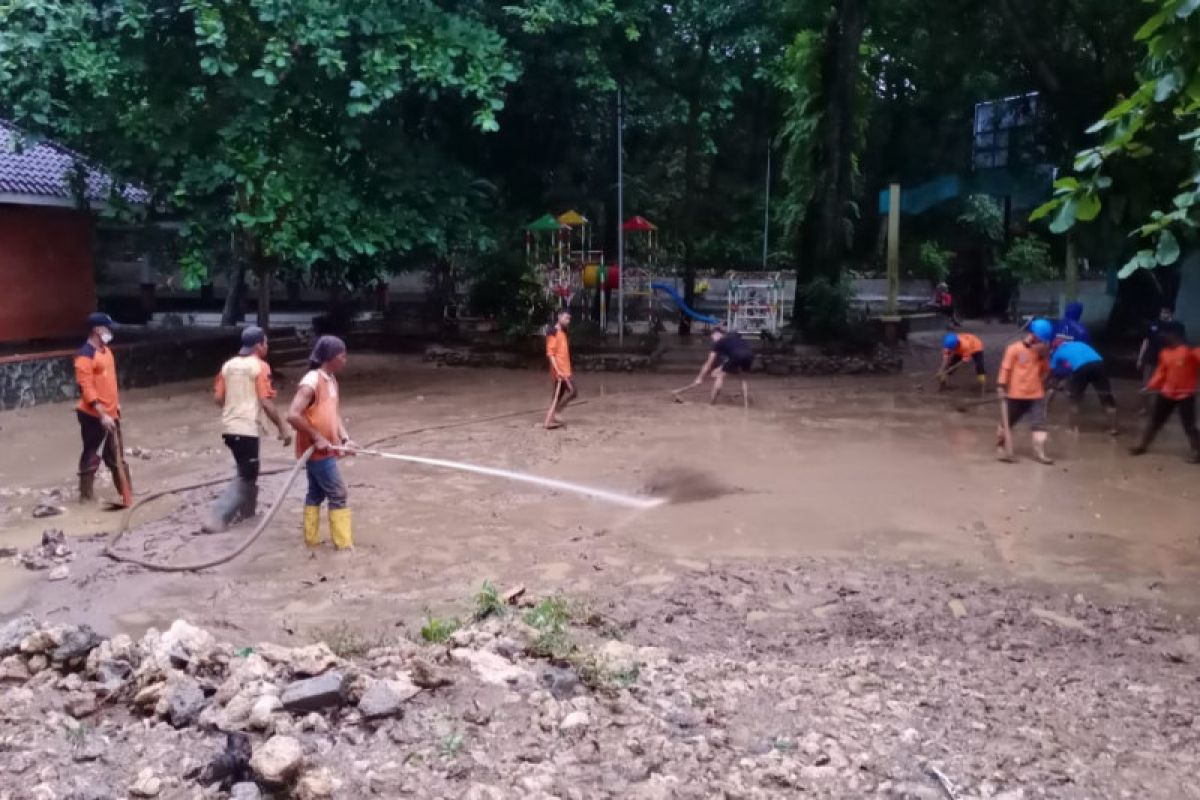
755,303
578,276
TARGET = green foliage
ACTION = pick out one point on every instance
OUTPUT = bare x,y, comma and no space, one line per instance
512,293
1026,260
983,217
551,618
933,262
825,307
1167,97
437,630
488,602
272,123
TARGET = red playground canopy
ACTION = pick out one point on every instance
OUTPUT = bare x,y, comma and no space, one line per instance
639,224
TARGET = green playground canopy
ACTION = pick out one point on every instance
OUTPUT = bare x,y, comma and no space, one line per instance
544,224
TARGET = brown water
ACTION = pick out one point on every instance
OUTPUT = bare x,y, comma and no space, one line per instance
856,468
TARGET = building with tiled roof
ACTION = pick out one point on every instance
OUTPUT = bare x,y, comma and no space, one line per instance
48,198
46,174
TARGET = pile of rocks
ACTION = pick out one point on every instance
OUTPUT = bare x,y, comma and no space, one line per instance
52,554
466,357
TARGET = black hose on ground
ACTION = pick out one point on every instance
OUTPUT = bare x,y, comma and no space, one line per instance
110,551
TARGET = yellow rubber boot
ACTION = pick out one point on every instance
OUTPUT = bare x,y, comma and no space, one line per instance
340,528
312,525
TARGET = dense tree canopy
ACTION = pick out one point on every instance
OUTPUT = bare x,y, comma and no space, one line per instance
341,140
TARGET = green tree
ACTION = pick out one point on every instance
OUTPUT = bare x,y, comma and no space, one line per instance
292,127
1157,127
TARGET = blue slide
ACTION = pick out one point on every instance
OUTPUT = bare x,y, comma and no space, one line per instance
683,307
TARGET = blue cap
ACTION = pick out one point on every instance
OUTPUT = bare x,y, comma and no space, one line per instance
99,319
1042,329
951,341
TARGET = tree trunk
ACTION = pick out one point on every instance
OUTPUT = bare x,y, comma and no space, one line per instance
231,314
691,156
823,238
265,274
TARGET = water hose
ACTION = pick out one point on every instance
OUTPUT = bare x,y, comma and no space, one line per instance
110,550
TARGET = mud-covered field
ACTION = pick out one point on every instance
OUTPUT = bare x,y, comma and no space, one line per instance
848,585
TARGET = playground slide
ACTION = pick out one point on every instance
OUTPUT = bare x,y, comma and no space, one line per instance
683,307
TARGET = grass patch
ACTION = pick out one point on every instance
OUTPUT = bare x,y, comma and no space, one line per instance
437,630
347,641
553,612
452,744
488,602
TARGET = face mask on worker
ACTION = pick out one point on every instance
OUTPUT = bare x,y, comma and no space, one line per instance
106,336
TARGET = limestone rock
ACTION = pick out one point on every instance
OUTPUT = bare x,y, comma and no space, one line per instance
260,713
426,675
314,785
278,761
490,667
146,785
245,791
13,633
185,700
386,698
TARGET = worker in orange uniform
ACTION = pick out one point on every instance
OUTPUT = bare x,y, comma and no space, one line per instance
957,349
1022,389
1175,383
558,353
99,411
244,392
316,416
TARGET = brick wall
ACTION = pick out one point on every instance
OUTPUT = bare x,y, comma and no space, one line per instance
47,285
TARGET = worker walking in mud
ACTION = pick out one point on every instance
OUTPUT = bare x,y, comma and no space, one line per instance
1152,344
558,353
99,411
316,416
244,392
1076,366
1022,389
1174,381
730,355
958,349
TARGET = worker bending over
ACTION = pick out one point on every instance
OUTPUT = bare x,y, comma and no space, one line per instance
1076,365
730,355
957,349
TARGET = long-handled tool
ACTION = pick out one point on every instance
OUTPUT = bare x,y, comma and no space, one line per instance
126,487
1008,442
968,404
521,477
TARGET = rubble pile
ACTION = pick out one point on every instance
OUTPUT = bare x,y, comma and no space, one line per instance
887,690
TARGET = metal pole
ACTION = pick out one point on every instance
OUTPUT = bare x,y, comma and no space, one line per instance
767,209
620,225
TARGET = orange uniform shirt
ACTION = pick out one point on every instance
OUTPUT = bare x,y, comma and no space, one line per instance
323,413
96,374
558,350
968,346
1177,370
1023,371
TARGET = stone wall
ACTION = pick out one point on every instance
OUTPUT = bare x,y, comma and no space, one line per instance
884,361
583,362
47,378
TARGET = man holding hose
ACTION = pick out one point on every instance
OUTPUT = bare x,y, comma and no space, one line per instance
558,353
316,416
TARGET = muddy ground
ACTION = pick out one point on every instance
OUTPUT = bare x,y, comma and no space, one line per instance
869,496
